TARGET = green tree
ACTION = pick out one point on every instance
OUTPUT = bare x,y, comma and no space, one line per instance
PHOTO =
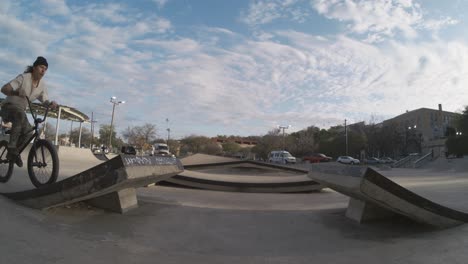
85,136
104,133
457,141
333,141
462,122
231,147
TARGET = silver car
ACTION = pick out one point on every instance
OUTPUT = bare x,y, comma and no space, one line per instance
348,160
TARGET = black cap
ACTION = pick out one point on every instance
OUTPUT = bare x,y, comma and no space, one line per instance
41,61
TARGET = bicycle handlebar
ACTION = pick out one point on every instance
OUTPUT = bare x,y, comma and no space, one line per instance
38,120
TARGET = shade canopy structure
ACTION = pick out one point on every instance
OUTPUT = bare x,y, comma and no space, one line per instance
63,112
66,112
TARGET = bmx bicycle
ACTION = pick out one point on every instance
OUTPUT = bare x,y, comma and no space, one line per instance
43,162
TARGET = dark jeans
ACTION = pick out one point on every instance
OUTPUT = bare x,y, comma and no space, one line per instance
20,129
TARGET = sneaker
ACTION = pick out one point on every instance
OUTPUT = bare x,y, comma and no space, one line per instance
11,156
19,161
16,158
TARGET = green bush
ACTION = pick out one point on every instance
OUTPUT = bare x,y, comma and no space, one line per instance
457,145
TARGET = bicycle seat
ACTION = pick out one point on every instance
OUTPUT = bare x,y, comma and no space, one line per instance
6,125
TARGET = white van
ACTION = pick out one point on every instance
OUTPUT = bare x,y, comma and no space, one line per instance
281,156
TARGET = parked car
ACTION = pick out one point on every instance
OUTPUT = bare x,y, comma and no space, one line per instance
281,156
348,160
373,160
387,160
317,157
129,150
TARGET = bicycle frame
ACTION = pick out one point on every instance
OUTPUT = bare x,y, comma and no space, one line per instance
35,128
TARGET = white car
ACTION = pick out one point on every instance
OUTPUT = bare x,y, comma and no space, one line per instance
347,160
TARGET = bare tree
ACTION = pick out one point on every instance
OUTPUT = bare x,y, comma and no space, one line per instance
267,143
49,131
140,136
303,142
199,144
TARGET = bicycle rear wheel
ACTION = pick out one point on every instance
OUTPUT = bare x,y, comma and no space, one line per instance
6,166
43,163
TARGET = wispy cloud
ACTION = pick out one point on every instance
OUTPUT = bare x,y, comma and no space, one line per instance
217,81
378,20
161,3
438,24
263,12
55,7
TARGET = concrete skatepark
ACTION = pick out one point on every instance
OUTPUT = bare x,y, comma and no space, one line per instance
187,225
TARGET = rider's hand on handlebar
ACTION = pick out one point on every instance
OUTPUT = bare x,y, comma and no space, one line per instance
53,105
19,92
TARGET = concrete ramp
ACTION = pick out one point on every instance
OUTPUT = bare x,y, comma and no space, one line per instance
245,176
101,156
205,159
374,196
109,185
82,154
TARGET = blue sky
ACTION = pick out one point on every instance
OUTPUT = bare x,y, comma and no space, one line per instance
216,67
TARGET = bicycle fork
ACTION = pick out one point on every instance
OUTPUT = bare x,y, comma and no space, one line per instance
38,160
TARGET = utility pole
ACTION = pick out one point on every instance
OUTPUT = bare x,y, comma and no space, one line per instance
283,128
346,136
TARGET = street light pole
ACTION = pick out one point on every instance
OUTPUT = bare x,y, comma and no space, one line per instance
114,102
168,130
92,130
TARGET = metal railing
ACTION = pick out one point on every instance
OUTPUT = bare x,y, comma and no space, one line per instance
423,160
413,161
402,162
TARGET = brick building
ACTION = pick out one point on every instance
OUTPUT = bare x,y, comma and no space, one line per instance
425,127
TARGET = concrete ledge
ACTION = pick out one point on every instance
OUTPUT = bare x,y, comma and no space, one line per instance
373,195
119,201
362,211
118,175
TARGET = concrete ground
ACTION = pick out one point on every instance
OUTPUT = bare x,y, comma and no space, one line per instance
195,226
72,161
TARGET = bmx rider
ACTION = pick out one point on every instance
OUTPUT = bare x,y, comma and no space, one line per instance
28,84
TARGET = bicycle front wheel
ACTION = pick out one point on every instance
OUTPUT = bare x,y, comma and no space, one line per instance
6,166
43,163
